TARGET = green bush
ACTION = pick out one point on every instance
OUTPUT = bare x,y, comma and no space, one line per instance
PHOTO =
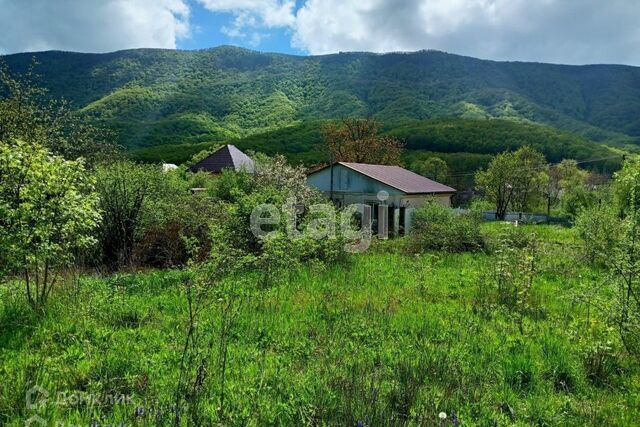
48,212
599,228
280,185
146,213
437,227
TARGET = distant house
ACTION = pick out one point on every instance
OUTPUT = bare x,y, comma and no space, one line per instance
400,189
226,157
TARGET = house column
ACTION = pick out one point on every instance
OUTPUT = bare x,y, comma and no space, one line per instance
383,221
395,227
407,220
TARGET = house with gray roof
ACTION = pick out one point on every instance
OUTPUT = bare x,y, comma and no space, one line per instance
226,157
401,190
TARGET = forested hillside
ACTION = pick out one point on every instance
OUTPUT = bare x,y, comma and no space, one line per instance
465,144
157,97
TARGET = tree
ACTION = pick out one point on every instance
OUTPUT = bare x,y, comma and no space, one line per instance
48,210
513,179
612,238
28,114
531,178
125,189
625,261
562,175
148,214
358,140
496,182
572,187
433,168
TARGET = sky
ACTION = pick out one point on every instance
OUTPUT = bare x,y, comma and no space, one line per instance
556,31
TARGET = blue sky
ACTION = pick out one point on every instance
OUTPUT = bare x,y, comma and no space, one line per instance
207,32
556,31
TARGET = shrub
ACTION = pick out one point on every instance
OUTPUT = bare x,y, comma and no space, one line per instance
514,274
599,228
614,241
146,213
48,211
172,216
124,189
437,227
508,237
279,184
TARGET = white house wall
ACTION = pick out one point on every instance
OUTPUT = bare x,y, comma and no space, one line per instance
351,187
347,180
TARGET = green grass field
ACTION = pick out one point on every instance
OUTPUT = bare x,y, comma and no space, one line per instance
385,338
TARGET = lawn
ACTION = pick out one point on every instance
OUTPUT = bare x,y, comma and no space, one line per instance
385,338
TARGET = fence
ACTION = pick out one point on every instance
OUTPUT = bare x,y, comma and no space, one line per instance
524,217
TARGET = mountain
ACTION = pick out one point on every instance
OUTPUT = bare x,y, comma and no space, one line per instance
155,97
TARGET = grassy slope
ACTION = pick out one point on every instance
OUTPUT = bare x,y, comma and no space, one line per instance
386,337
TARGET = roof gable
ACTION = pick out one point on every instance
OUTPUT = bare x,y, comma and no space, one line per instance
402,179
226,157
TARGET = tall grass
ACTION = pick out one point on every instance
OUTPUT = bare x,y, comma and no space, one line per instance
386,339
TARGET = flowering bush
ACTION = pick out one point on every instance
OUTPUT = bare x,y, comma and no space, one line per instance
48,211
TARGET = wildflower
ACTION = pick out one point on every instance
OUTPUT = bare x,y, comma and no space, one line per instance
442,416
139,412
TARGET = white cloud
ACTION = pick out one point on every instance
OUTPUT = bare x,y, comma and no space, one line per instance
568,31
252,15
270,13
91,25
565,31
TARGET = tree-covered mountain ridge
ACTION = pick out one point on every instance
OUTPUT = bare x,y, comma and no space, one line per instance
155,96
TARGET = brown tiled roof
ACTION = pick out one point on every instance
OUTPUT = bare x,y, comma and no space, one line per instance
226,157
400,178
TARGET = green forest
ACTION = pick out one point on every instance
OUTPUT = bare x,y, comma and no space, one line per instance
465,144
156,97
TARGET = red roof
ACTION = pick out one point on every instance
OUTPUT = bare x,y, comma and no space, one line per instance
400,178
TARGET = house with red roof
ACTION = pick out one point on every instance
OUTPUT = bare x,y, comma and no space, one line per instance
398,190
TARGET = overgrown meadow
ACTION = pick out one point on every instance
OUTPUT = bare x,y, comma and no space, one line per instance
382,338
